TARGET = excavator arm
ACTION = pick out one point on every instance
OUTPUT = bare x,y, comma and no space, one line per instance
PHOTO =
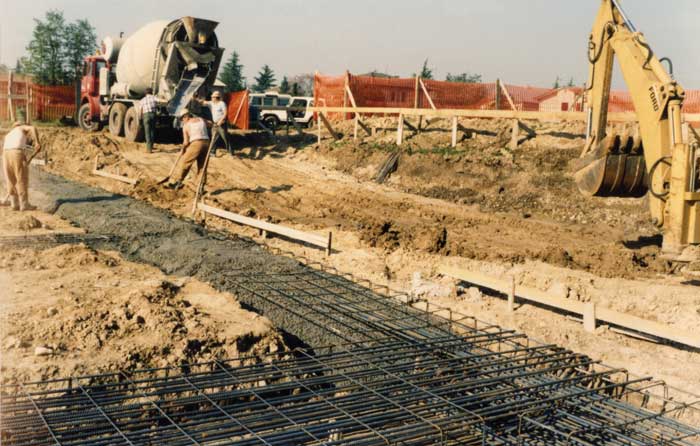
657,158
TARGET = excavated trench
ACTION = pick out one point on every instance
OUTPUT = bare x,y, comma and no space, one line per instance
143,233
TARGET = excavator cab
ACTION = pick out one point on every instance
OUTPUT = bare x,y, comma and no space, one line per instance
656,157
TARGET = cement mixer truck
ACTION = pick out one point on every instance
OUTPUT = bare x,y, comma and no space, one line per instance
177,59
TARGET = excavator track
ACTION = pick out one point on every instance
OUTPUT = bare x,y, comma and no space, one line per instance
615,168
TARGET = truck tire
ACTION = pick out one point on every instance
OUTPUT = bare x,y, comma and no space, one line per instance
85,119
133,129
117,116
271,122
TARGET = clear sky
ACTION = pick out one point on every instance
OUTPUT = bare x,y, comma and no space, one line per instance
520,41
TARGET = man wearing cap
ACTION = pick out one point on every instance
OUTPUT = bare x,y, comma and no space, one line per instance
16,164
147,110
195,144
219,116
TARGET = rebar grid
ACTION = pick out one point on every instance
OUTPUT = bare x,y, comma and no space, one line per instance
404,376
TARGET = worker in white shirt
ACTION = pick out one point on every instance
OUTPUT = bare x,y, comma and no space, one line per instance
16,164
219,117
195,143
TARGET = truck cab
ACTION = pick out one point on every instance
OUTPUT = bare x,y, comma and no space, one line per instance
91,111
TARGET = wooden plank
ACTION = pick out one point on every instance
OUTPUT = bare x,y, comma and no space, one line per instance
626,321
312,239
589,317
427,95
328,126
112,176
399,131
507,95
364,126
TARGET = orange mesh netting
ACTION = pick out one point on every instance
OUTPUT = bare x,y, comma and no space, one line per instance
402,93
238,110
46,103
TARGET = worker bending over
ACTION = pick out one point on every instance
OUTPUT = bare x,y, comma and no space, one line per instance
195,145
16,164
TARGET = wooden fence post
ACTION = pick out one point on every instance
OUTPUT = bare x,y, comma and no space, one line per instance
589,321
454,131
516,135
399,132
498,94
10,109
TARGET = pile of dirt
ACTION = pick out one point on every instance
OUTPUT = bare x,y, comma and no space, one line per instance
482,170
72,310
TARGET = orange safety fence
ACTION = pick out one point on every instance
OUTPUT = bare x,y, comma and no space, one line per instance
46,103
383,92
238,110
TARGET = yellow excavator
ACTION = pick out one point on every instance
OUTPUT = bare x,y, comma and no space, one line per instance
658,158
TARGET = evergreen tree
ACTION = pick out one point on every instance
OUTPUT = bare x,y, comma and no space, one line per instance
571,83
232,74
18,67
284,85
557,83
426,72
79,41
466,78
295,89
265,79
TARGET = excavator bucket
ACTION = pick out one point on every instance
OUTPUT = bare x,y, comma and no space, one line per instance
615,168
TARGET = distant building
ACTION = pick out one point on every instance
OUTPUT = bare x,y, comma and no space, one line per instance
562,99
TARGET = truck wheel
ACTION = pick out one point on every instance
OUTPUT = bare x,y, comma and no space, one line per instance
85,119
116,119
271,122
310,124
133,130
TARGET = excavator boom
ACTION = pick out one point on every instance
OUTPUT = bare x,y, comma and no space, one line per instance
655,159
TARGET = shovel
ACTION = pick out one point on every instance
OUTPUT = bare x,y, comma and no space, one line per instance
172,169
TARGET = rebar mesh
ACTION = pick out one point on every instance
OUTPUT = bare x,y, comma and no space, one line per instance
402,377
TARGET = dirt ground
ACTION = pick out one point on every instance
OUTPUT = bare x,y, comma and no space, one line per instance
69,310
480,206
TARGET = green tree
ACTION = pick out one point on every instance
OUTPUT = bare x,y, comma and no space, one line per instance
80,40
265,79
57,48
557,83
46,55
295,89
466,78
18,67
232,74
571,83
284,86
425,72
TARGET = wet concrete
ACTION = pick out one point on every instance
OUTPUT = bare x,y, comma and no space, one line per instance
143,233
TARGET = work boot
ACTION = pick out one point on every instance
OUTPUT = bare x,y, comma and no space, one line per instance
14,204
175,186
5,202
27,207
